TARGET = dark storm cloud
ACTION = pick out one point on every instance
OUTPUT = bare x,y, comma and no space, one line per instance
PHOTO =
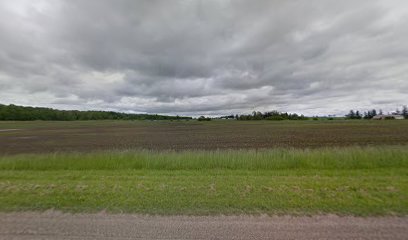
205,57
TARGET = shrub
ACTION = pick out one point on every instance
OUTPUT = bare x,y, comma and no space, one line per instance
202,118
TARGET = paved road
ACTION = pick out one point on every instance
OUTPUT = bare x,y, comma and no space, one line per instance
55,225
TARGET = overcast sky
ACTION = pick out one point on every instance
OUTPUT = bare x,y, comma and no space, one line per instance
210,57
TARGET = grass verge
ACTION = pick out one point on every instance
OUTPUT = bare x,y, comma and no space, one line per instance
357,181
327,158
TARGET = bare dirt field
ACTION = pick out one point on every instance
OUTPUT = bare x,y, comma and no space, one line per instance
55,225
40,136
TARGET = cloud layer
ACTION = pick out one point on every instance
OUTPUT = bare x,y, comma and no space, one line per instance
205,57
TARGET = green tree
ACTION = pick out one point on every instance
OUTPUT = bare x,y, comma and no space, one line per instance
404,111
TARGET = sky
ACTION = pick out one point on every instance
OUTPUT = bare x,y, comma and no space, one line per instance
205,57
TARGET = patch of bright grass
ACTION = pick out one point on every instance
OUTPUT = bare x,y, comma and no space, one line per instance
329,158
357,181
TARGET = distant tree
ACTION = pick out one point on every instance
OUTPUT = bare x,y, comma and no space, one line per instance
20,113
370,114
404,111
257,115
272,115
202,118
373,113
351,115
357,115
354,115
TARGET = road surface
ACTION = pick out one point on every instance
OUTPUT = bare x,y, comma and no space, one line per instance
56,225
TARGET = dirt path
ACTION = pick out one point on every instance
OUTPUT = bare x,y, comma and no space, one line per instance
55,225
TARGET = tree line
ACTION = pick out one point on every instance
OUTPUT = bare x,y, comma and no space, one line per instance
21,113
272,115
355,114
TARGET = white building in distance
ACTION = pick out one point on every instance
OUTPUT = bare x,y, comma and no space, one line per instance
389,116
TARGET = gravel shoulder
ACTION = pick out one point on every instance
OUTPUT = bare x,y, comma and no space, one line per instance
57,225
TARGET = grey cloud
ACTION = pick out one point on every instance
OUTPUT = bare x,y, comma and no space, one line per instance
205,57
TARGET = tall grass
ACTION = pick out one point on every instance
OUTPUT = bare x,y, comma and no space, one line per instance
327,158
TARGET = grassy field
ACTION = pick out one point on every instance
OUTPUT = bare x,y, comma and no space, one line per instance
357,181
85,136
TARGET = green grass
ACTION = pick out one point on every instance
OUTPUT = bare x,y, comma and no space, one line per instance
356,181
327,158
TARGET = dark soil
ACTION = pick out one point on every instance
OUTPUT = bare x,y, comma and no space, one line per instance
40,137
